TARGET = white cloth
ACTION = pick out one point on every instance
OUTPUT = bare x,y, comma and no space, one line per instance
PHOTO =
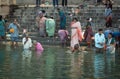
99,39
28,44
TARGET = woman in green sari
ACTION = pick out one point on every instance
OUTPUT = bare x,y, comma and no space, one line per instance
50,26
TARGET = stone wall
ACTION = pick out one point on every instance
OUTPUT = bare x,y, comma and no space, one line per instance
4,10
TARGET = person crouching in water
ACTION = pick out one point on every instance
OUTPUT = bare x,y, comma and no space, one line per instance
110,43
38,46
27,42
63,34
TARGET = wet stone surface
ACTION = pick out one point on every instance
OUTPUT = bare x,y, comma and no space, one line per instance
56,63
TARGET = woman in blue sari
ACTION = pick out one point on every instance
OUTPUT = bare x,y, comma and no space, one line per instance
62,19
2,28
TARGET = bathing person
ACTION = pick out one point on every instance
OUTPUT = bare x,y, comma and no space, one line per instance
14,31
110,43
63,34
99,41
76,34
27,42
38,46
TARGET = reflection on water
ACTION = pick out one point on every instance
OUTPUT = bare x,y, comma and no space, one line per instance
55,63
76,70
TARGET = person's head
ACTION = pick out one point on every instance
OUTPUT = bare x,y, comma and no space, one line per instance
100,31
110,35
75,19
15,21
0,17
76,47
34,42
40,13
26,35
58,9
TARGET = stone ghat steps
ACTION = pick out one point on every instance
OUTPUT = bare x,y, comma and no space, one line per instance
26,15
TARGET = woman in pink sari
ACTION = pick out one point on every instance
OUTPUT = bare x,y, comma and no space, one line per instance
38,46
76,34
41,24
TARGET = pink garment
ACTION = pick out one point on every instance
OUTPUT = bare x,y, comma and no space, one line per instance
62,34
76,34
41,26
38,46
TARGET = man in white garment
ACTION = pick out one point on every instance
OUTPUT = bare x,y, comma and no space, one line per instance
27,42
99,40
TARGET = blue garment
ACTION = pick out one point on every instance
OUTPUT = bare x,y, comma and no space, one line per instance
2,28
99,39
64,2
107,32
55,2
62,20
116,34
16,31
108,12
38,2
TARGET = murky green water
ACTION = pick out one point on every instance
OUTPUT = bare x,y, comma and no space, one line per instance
55,63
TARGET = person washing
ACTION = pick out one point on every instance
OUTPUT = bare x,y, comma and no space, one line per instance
27,42
38,46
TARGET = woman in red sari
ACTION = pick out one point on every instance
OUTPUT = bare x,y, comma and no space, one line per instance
88,35
76,34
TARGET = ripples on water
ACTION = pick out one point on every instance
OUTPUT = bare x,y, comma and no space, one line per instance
55,63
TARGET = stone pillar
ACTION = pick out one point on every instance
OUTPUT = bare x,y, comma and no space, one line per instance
4,7
4,2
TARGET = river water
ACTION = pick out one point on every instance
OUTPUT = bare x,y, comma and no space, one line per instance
56,63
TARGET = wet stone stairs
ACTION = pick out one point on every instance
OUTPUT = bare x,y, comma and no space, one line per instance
27,18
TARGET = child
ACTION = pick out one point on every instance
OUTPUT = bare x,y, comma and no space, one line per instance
38,46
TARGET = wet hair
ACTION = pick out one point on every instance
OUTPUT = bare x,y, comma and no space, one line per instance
0,17
43,11
111,34
75,19
76,46
58,9
100,30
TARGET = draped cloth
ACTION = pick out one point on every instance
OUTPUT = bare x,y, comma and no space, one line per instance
76,34
2,28
88,34
63,35
50,27
41,25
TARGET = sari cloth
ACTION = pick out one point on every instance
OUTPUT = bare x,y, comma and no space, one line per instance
88,34
41,26
2,28
63,34
62,20
76,34
50,27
